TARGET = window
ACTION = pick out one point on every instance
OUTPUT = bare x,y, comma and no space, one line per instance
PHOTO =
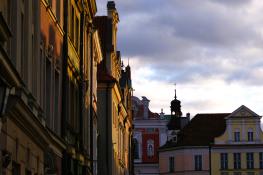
58,10
77,35
198,162
237,173
136,149
28,172
250,136
250,173
250,160
237,136
237,161
224,161
50,3
149,130
171,164
73,105
48,93
22,50
72,23
15,168
56,100
261,160
224,173
150,148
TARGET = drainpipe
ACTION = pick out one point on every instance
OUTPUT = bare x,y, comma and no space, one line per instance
210,163
64,72
64,99
107,126
91,98
81,85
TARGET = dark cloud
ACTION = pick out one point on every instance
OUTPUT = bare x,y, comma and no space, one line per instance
183,40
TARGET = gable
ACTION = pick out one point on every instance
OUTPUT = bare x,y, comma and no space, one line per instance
243,112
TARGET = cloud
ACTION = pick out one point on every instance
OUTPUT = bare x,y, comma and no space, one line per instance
193,42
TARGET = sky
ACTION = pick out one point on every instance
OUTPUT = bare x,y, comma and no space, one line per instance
211,49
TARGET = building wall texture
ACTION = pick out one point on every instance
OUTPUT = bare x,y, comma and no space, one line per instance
46,46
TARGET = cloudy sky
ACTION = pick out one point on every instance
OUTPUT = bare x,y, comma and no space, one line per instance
212,50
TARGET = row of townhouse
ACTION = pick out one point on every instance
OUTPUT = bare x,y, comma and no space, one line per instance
65,98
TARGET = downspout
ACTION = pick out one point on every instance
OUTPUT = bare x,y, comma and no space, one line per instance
81,90
210,166
107,126
91,98
64,99
64,72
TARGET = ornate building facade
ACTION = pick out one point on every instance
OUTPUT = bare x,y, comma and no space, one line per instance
114,101
48,76
150,132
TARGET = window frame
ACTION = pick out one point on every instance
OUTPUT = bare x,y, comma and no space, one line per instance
171,164
237,160
198,162
260,160
250,160
250,136
224,161
237,136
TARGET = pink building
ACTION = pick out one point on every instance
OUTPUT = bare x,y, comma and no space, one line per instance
189,155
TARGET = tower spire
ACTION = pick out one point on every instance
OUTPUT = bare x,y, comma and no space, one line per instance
175,91
176,106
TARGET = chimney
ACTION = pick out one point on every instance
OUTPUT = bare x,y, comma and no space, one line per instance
111,8
162,114
145,102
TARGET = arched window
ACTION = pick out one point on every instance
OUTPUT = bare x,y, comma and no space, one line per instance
150,148
136,149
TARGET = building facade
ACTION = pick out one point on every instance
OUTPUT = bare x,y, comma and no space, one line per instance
150,132
224,143
239,149
114,100
49,56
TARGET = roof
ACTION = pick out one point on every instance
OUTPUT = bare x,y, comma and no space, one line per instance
200,131
243,111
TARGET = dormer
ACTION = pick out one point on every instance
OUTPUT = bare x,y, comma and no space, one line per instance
242,127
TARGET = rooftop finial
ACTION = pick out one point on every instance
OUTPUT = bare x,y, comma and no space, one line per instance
175,91
128,61
122,65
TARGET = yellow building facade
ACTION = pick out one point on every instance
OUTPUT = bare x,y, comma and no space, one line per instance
239,151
